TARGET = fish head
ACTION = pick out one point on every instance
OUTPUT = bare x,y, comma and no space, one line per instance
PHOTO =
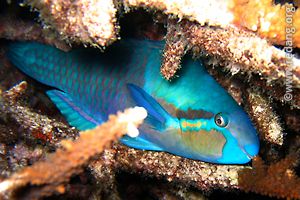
242,142
224,138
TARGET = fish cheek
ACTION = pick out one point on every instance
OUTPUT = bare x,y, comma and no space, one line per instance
207,143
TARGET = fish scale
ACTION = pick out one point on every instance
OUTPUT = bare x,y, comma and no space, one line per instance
191,116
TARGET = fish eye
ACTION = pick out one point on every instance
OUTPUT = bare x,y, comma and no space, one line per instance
221,120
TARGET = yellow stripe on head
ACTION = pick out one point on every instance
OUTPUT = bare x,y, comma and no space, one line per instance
188,125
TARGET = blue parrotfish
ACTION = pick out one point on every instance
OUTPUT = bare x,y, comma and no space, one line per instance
192,116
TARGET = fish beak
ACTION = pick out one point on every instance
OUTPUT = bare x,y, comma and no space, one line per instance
250,151
247,154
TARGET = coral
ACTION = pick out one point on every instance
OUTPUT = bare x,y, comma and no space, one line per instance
80,21
161,165
292,120
173,52
37,125
21,155
204,176
276,180
4,166
7,134
103,171
267,122
13,29
86,21
15,92
47,177
268,20
237,50
194,10
255,78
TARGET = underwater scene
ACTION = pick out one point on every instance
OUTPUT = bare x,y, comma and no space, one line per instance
149,99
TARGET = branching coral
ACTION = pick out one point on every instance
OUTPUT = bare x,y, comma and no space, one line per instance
237,50
172,168
80,21
283,181
194,10
267,19
37,125
69,160
173,52
267,121
86,21
240,51
276,180
13,29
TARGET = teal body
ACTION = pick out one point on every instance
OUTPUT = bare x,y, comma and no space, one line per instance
191,116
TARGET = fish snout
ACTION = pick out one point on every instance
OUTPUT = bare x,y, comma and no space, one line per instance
252,149
242,129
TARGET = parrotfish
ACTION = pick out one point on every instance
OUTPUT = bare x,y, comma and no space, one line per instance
191,116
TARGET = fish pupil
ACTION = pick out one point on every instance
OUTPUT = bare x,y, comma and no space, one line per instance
220,121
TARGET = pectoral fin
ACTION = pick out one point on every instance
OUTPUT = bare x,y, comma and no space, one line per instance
75,115
157,115
139,143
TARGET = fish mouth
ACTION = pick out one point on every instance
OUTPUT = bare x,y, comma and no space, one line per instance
250,150
247,154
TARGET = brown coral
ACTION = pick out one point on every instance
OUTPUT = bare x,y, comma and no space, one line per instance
13,29
276,180
86,21
37,125
194,10
267,121
204,176
238,51
265,18
173,52
50,175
